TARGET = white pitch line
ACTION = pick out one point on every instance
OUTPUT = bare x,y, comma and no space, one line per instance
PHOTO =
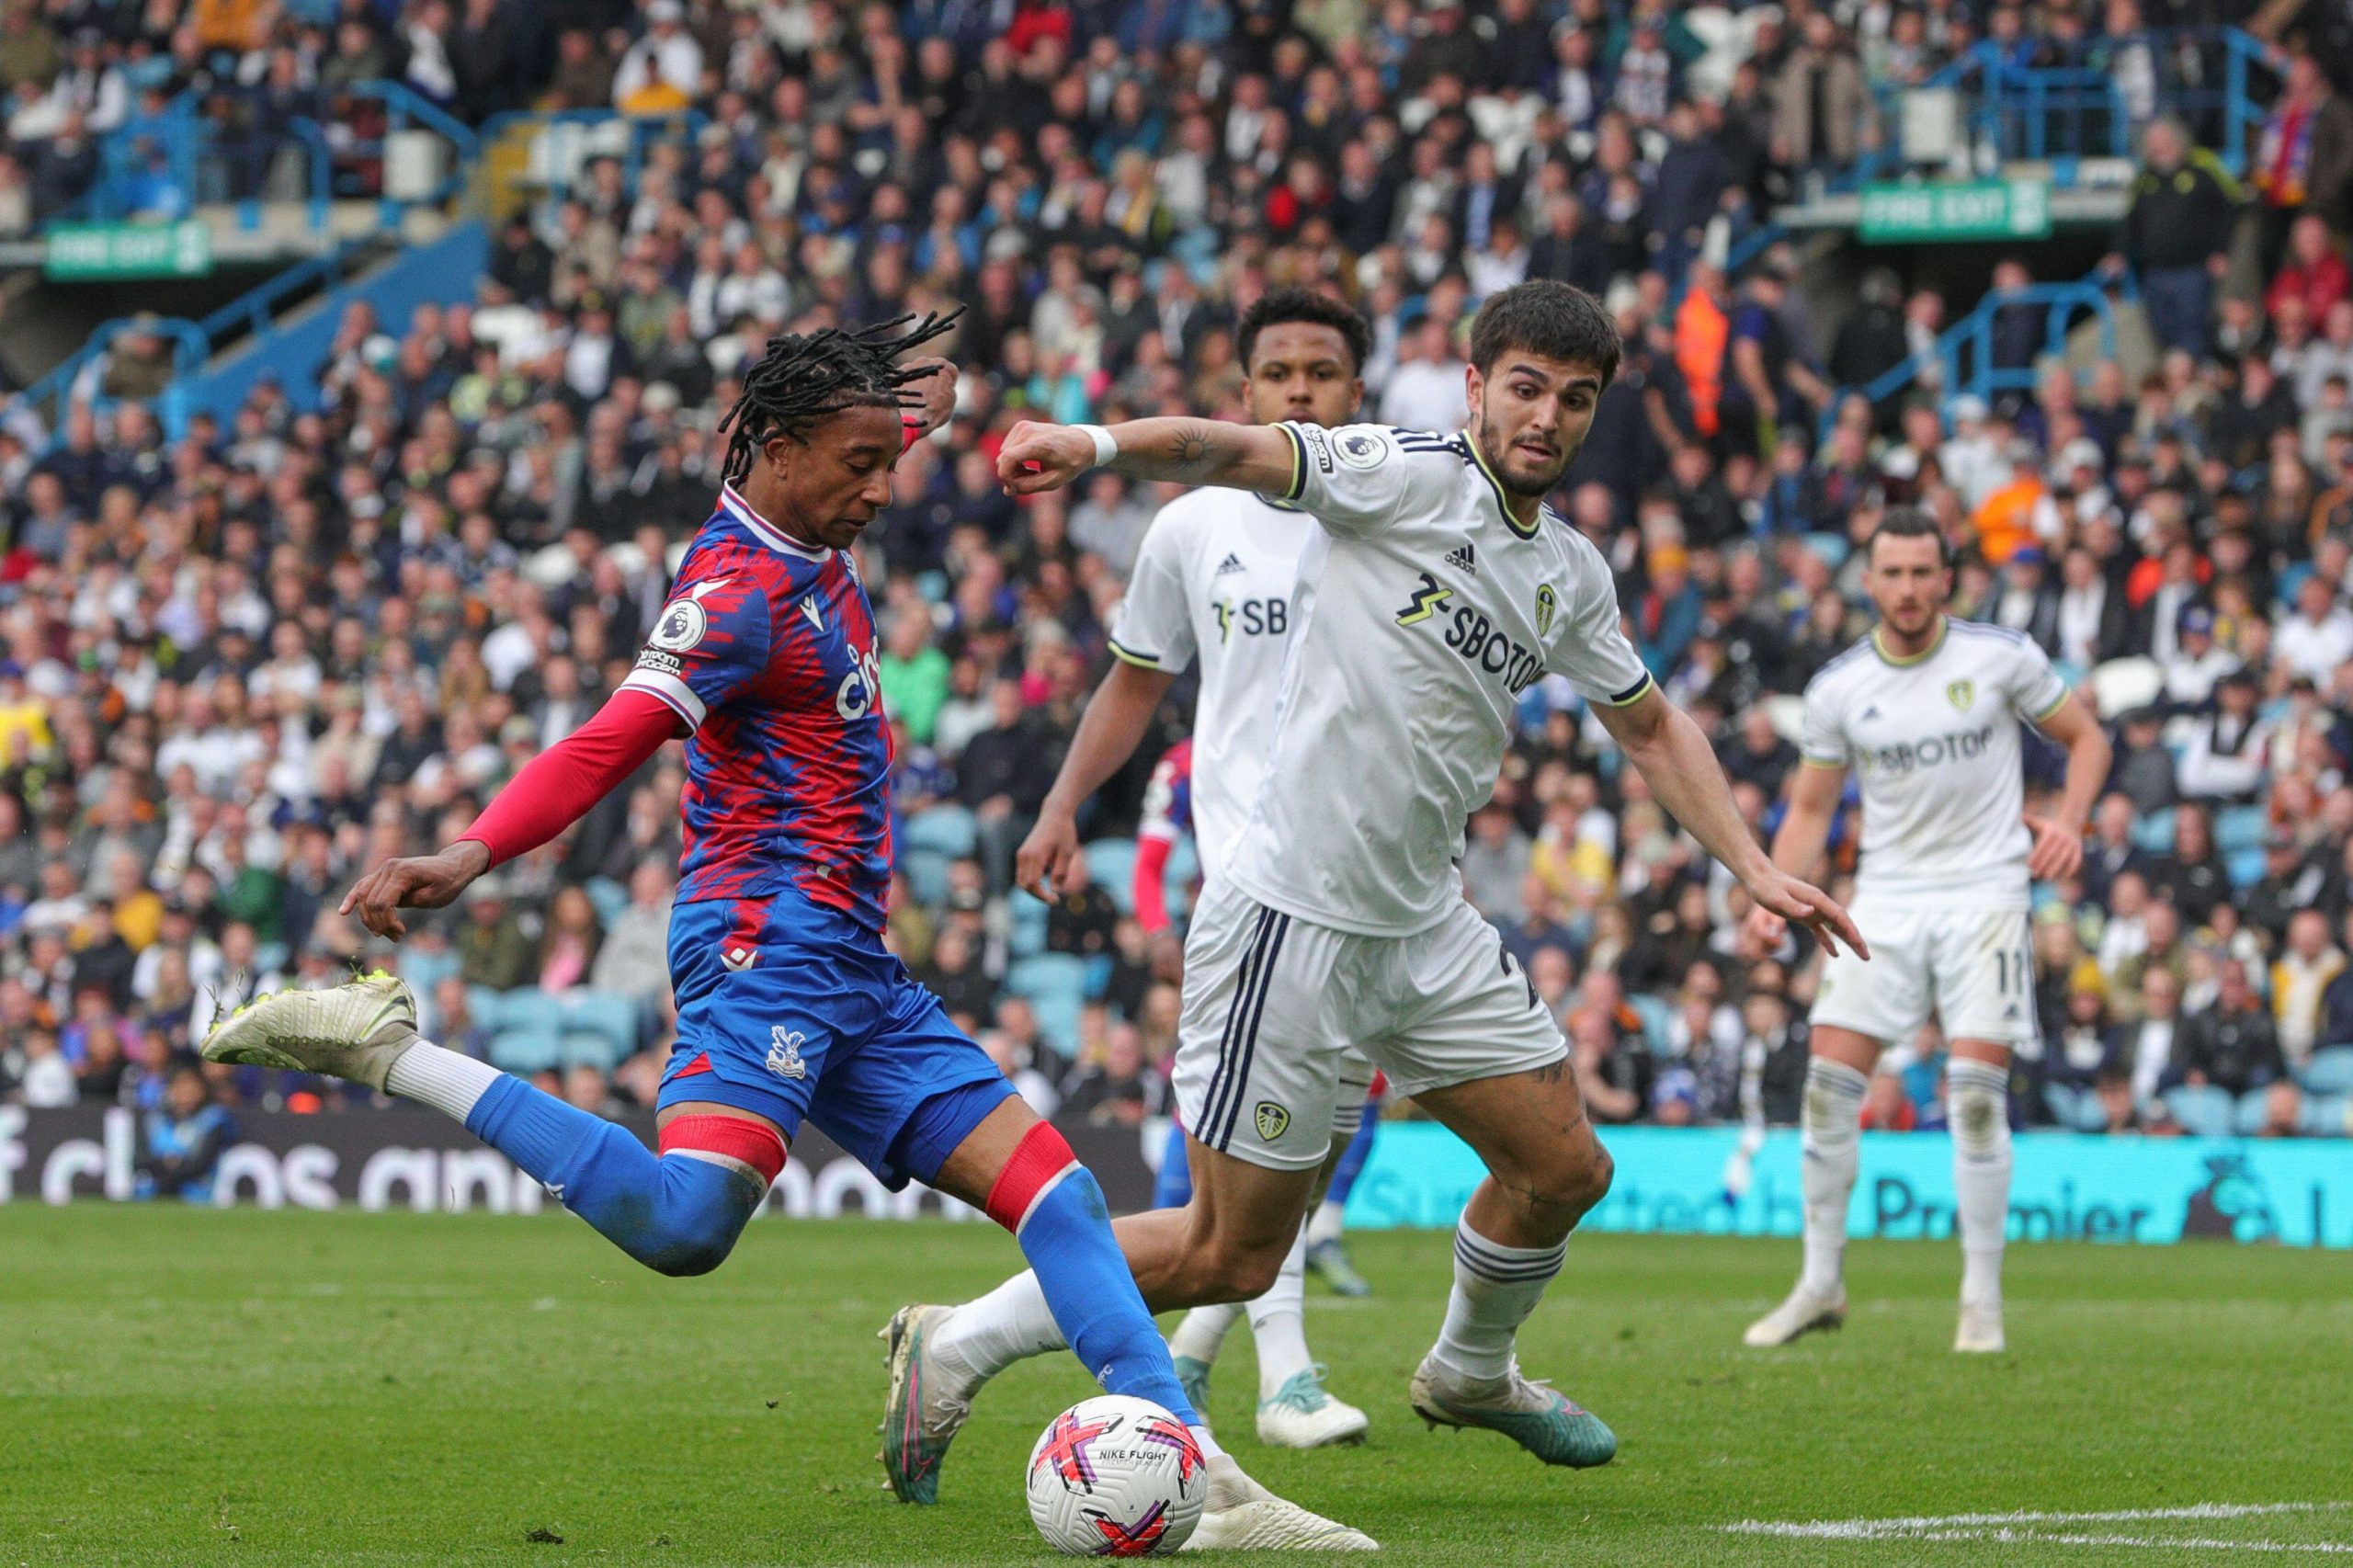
1919,1524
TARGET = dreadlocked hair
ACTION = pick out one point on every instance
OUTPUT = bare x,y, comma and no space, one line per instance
805,379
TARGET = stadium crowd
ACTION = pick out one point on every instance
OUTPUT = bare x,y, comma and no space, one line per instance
244,665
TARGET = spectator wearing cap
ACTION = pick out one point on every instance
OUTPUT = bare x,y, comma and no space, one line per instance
2291,880
662,71
2177,233
2199,664
1765,379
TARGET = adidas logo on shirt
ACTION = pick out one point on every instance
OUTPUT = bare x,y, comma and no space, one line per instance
1462,559
1232,563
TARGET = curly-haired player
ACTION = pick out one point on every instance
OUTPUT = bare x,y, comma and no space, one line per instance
790,1007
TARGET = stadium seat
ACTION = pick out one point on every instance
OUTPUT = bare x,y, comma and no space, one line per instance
425,971
525,1052
1655,1014
2245,867
2066,1103
2203,1110
926,874
586,1049
609,897
2248,1120
2122,684
1182,870
486,1006
1047,975
1112,863
2330,1071
2154,833
2240,827
1027,937
943,829
532,1011
601,1013
2328,1116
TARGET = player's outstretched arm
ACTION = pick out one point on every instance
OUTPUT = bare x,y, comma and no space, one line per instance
1804,835
1109,733
555,790
2058,849
1184,451
1682,771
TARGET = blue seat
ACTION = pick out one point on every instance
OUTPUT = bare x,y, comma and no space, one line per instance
1655,1014
2240,827
2330,1071
943,829
586,1049
1027,937
2246,867
926,874
1048,976
525,1052
609,897
486,1006
532,1011
2328,1116
2248,1120
2154,832
425,971
601,1013
2066,1103
1182,870
2203,1110
1112,863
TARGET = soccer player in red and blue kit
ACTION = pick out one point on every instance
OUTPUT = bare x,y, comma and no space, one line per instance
790,1006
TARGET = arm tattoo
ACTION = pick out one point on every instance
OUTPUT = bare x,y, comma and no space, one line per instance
1188,450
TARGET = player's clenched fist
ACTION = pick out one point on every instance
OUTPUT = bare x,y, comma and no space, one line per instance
1049,860
416,881
1042,457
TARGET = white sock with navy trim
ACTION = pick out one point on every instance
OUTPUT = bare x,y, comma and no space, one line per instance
1495,1287
1831,1121
1977,1102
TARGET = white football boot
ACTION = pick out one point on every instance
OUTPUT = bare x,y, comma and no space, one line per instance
354,1032
1301,1414
1980,1333
1241,1516
1802,1313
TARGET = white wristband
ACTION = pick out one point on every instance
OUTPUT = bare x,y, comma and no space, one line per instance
1106,448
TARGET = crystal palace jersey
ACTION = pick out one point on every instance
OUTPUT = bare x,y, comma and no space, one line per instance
1168,803
1936,740
767,651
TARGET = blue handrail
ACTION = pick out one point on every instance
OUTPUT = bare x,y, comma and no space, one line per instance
644,130
2063,113
1963,352
190,348
186,141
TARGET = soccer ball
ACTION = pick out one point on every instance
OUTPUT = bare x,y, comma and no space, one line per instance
1117,1476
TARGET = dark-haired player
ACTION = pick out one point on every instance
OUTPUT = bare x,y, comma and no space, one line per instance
1435,592
1928,708
1214,582
790,1007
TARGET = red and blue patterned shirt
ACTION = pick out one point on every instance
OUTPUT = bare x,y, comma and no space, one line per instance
766,650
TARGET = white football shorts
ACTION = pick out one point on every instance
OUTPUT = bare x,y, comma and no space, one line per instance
1972,968
1273,1002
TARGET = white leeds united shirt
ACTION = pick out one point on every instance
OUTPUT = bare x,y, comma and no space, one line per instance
1423,613
1215,579
1935,739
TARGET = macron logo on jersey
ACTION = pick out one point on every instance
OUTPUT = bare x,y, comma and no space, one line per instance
1462,559
817,617
1231,564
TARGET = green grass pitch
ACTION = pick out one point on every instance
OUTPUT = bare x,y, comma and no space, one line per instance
199,1387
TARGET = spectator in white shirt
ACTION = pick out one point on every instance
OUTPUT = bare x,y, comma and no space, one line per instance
1426,392
2319,636
665,55
2223,759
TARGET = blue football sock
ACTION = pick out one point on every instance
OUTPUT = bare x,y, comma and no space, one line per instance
1352,1159
1066,1235
1172,1187
673,1212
